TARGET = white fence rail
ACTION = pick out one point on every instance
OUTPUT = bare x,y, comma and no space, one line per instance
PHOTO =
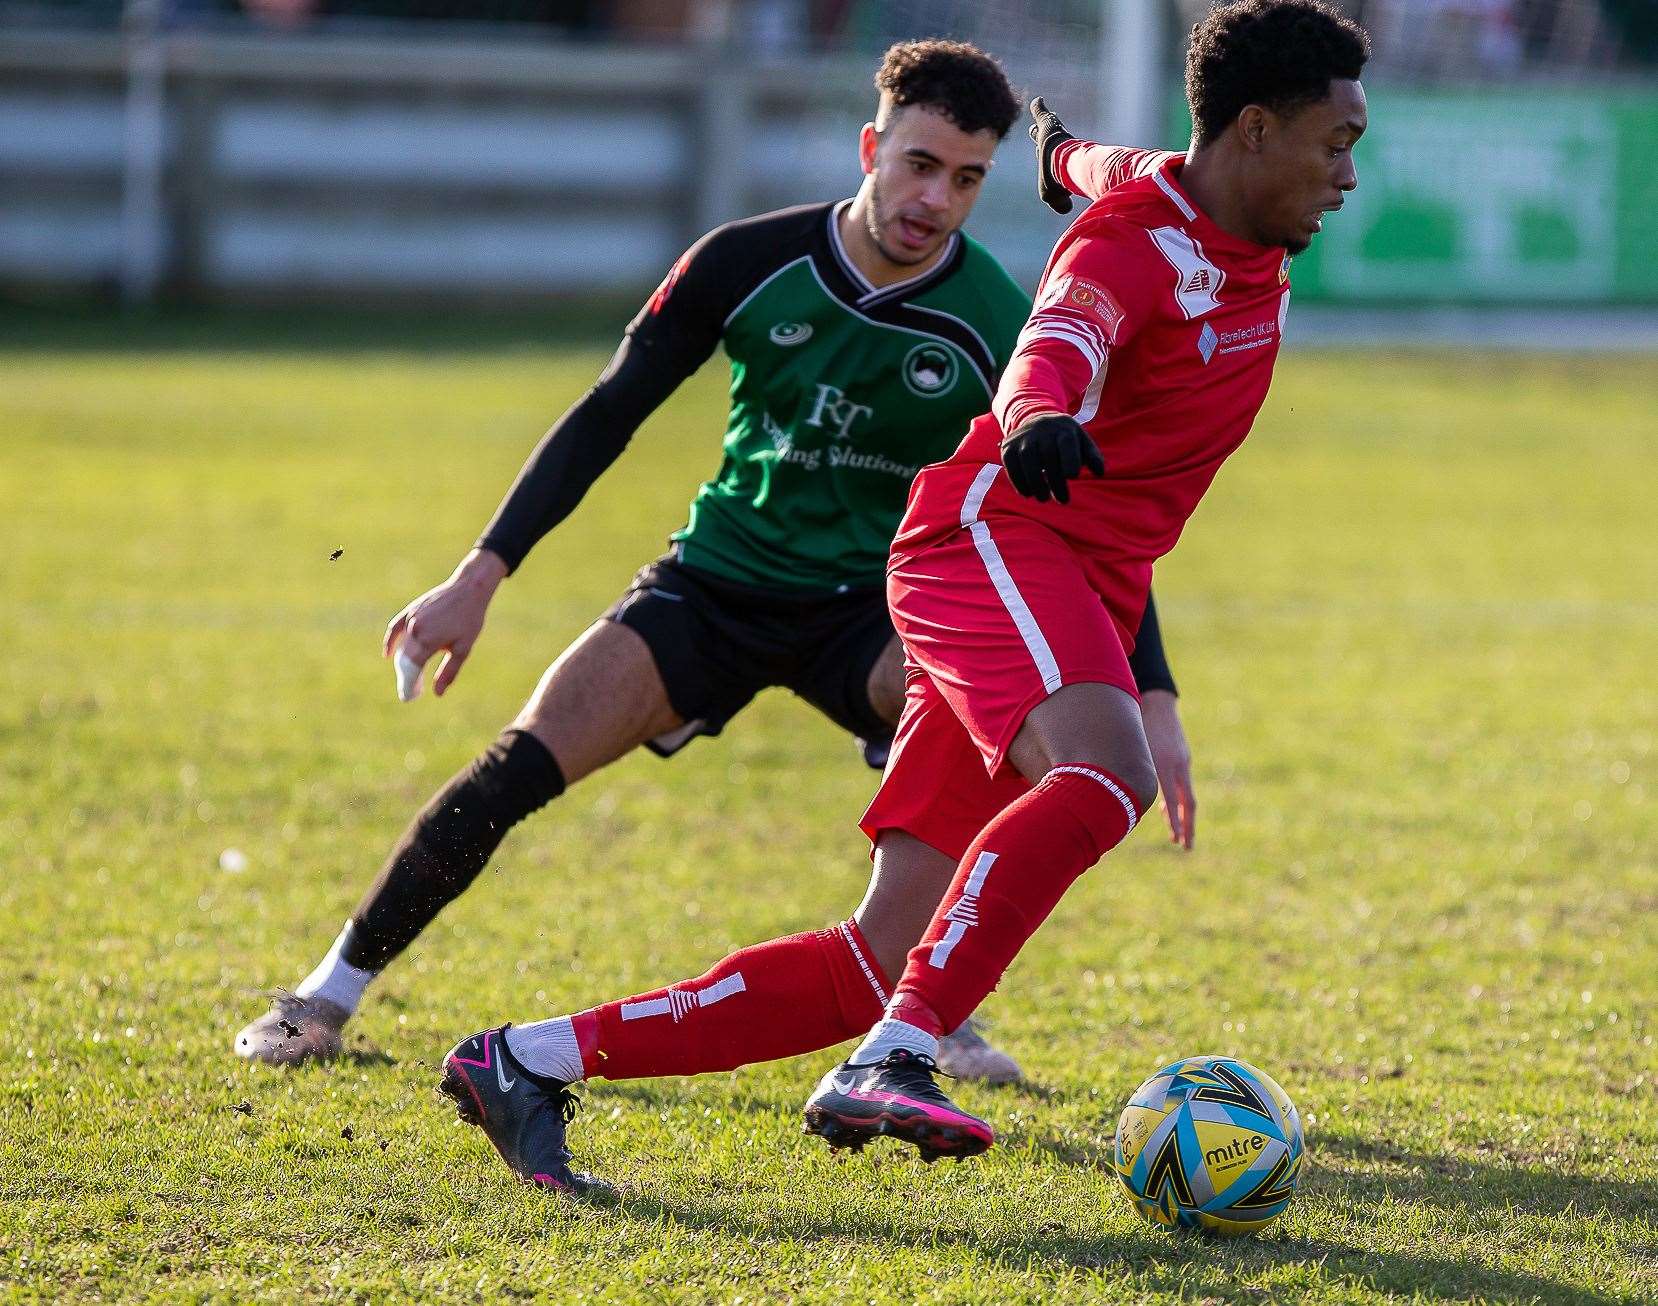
218,166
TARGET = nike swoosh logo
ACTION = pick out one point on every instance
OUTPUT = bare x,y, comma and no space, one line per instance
844,1085
501,1074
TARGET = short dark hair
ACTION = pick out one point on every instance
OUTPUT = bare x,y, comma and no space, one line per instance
960,80
1279,54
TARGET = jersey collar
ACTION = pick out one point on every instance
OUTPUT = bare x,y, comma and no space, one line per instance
856,289
1203,226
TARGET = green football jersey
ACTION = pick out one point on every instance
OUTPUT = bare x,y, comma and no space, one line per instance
840,392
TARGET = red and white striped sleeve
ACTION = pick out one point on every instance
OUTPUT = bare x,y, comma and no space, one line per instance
1059,364
1090,170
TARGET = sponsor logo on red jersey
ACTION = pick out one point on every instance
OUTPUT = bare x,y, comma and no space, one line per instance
1206,342
1086,297
1237,339
1198,279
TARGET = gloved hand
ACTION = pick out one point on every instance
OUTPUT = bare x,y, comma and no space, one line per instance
1049,134
1044,454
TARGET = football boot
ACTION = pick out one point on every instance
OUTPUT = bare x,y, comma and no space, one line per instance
522,1114
895,1096
967,1054
293,1031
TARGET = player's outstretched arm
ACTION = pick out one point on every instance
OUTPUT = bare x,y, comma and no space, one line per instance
1067,166
585,441
672,336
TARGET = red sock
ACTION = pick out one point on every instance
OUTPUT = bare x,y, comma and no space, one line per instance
1011,877
778,999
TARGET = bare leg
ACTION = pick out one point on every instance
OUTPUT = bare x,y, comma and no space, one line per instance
909,881
1087,725
885,686
600,700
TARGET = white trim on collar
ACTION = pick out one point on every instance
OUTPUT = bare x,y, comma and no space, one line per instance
1179,199
870,291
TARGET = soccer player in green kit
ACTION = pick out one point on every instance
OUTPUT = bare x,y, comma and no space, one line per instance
864,336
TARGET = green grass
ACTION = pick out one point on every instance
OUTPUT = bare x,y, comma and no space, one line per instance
1416,629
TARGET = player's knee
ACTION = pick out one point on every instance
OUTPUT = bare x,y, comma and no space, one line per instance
885,686
1132,772
1140,778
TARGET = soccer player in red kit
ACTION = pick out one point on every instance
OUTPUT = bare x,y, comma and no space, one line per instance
1016,580
1016,584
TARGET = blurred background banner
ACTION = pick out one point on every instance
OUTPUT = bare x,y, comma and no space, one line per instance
337,150
1497,196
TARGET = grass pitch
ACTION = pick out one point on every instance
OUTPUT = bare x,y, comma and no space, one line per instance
1416,631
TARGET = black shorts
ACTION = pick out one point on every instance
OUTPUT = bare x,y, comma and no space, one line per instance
717,644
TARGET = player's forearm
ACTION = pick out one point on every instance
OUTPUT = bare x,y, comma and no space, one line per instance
1149,661
1048,374
563,467
482,569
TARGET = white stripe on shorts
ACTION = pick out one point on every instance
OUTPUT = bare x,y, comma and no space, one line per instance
1023,618
975,495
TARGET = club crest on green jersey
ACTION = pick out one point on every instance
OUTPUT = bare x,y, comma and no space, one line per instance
790,333
930,369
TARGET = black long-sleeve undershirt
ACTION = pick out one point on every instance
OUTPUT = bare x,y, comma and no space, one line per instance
1149,662
674,334
578,449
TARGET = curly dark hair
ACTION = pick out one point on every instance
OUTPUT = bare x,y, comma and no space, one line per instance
960,80
1279,54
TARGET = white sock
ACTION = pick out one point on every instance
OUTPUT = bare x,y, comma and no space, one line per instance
548,1047
336,980
890,1035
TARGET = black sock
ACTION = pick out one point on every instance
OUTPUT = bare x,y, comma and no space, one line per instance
448,843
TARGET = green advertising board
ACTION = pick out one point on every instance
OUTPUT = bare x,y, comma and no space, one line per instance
1509,196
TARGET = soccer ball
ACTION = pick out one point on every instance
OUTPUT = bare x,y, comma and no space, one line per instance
1209,1143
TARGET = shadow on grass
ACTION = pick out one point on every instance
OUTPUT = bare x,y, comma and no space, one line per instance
1340,1169
1162,1262
694,1095
1457,1183
1452,1182
365,1056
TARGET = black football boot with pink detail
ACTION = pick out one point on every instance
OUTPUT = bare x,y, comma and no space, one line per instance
896,1096
521,1113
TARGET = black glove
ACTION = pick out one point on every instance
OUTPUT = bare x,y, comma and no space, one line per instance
1049,134
1045,454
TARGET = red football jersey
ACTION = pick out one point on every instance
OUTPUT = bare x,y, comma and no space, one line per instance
1155,329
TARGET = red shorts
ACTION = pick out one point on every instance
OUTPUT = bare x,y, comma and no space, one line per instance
996,611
